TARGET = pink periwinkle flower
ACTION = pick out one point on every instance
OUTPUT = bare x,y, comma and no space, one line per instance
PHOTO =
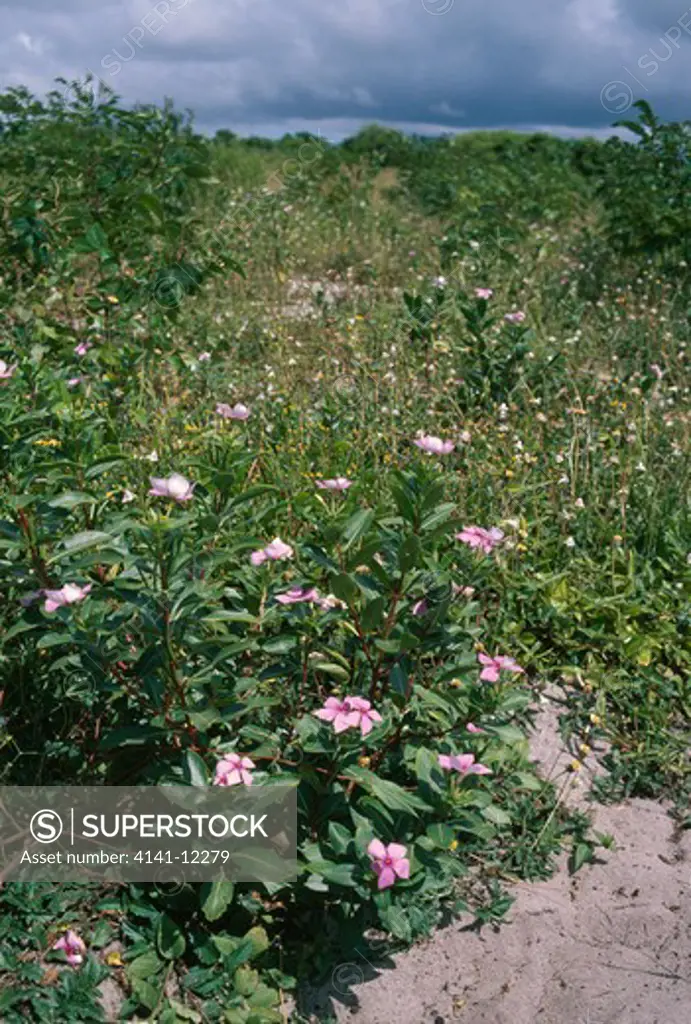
338,712
273,552
337,483
82,348
73,946
479,538
420,608
234,769
388,862
297,595
176,487
349,713
493,666
74,381
657,370
465,764
483,293
365,717
71,593
471,727
5,370
434,445
234,412
204,357
515,318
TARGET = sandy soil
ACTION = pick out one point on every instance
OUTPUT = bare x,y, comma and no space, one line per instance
612,945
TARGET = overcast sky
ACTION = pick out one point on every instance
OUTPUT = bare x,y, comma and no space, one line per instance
329,66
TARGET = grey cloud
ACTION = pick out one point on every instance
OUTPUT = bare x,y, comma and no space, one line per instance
242,64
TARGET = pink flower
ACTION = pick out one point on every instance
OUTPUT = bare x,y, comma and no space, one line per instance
420,608
493,666
364,714
470,727
298,594
204,357
73,947
479,537
232,770
236,412
69,594
463,763
175,486
127,497
657,370
337,711
82,348
5,370
73,381
338,483
349,713
388,862
274,552
515,318
434,445
483,293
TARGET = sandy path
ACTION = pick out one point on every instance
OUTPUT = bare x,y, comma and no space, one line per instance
612,945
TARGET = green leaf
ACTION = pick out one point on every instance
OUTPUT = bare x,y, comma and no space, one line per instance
496,815
132,735
581,854
195,770
170,940
344,587
410,553
357,526
339,837
144,966
339,874
259,939
72,499
393,796
185,1012
331,669
216,897
373,614
81,542
145,993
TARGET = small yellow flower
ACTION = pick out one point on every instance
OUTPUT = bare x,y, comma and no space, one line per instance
595,719
455,683
113,299
575,766
617,538
509,473
584,748
48,442
113,959
364,762
453,845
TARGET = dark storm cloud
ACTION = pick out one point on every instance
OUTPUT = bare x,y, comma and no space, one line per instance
260,65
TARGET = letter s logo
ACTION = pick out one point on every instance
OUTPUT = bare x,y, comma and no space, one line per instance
46,826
